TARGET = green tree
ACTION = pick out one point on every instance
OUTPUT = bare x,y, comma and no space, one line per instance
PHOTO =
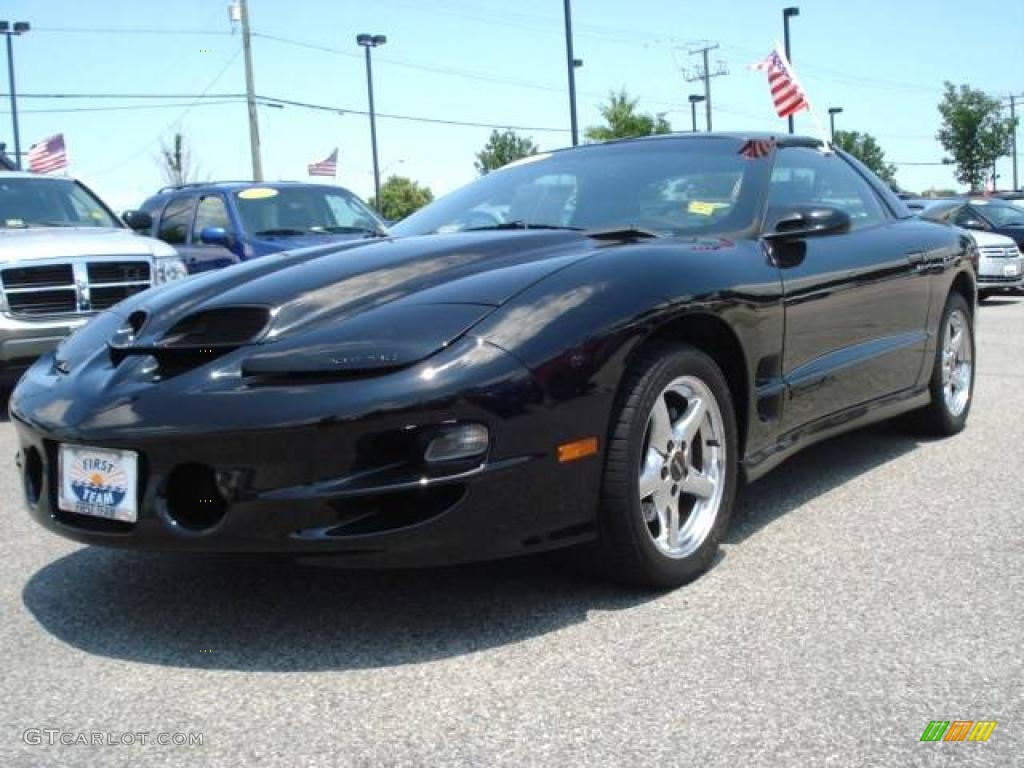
502,148
399,197
973,132
622,121
864,147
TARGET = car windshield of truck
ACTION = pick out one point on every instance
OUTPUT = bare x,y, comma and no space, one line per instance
664,186
47,202
292,211
1002,214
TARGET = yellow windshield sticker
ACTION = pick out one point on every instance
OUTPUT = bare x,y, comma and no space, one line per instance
257,193
701,208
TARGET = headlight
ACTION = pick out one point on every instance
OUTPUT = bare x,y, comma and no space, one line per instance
168,268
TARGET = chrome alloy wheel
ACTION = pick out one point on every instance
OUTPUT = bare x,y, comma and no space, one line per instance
957,362
682,467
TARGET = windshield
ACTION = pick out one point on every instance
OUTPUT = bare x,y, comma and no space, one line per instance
46,202
287,211
1003,214
667,186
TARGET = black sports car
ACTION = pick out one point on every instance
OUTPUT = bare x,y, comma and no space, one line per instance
590,345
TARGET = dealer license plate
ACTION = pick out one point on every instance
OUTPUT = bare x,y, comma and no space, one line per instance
101,482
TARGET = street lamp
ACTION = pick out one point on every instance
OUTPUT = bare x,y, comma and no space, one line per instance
832,112
572,63
695,99
786,14
9,31
368,42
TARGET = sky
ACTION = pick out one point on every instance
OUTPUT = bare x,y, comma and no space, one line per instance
477,61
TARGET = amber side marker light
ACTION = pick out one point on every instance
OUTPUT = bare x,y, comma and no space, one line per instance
578,449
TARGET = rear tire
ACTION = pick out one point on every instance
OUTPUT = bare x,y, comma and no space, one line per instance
952,380
670,469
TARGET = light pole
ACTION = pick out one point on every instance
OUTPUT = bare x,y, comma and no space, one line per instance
9,31
786,14
695,99
832,112
571,63
368,42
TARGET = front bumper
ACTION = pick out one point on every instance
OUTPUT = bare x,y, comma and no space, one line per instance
23,340
343,480
993,273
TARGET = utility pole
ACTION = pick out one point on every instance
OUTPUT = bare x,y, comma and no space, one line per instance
250,95
704,73
572,64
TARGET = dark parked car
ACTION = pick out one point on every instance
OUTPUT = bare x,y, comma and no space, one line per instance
591,345
216,224
1000,217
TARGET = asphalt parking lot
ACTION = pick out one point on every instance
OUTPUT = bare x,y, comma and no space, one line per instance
867,587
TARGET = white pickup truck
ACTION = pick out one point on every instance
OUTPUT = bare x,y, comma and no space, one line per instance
64,257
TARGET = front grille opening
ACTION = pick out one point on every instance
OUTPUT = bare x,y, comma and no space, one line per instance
33,469
391,511
106,297
38,277
224,326
193,499
43,302
118,272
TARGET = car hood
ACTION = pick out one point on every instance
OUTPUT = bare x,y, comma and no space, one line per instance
70,242
982,238
358,306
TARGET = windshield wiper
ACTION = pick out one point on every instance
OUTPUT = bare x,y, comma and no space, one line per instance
280,231
519,224
621,233
349,230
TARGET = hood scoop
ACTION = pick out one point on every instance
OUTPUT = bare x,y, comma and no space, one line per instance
196,339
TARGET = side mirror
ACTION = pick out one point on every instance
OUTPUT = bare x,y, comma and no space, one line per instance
215,236
140,221
974,224
795,222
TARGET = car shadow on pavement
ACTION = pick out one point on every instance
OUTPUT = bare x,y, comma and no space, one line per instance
258,614
813,472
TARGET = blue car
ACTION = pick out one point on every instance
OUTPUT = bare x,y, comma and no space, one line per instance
216,224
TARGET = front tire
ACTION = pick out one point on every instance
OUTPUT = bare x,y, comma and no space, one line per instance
670,470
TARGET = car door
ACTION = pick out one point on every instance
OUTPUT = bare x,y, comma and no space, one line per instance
856,301
212,217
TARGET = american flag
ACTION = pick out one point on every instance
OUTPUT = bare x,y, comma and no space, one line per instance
787,94
327,167
48,155
754,149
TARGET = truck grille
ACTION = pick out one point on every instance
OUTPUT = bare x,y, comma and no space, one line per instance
72,288
999,251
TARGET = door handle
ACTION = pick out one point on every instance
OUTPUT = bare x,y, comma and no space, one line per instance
916,259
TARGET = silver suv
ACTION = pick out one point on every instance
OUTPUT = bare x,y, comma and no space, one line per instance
64,257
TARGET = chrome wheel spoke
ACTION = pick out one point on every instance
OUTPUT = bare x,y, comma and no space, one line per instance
672,532
697,483
650,474
660,426
685,429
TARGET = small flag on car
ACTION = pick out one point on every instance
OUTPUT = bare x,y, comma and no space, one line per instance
787,95
48,155
326,167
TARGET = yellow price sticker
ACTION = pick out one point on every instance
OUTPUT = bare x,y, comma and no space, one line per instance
257,193
701,208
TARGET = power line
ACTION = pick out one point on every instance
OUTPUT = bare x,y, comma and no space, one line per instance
127,107
411,118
